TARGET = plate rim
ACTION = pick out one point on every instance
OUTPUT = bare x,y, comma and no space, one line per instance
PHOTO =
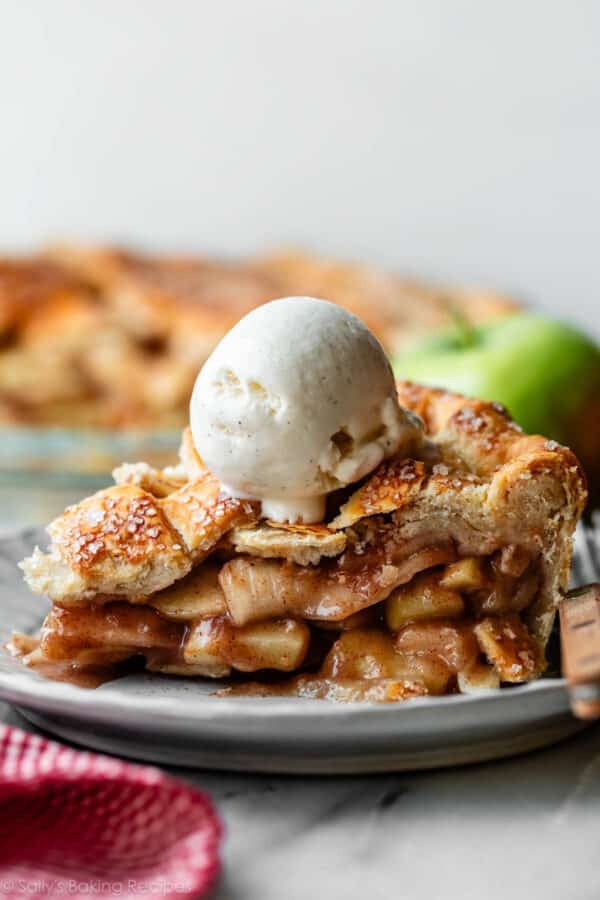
22,688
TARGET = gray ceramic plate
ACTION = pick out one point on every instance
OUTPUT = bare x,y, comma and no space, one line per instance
175,721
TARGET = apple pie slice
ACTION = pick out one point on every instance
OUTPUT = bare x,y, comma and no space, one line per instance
436,574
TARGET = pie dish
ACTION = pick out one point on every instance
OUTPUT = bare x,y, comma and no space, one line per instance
120,336
436,574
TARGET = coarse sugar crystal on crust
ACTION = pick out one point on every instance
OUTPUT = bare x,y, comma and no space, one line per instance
203,515
117,542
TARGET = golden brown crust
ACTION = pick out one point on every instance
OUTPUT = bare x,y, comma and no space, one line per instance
396,309
189,457
119,521
117,542
485,484
124,541
394,484
29,287
128,331
474,443
482,436
202,515
158,482
44,311
482,441
302,544
176,298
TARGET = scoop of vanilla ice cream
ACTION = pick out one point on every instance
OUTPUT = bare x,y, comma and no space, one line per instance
298,399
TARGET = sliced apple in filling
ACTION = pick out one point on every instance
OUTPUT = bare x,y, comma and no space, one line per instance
281,645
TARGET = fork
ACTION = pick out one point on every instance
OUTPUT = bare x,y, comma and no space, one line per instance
580,625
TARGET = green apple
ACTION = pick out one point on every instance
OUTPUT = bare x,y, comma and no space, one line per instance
546,373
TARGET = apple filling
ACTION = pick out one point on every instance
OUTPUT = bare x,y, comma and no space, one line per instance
456,627
376,623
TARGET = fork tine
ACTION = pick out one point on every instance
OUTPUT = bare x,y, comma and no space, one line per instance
592,536
585,565
577,570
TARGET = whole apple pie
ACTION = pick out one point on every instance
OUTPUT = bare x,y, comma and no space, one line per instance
437,573
108,338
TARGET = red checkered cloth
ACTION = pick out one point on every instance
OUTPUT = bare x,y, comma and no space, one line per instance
75,824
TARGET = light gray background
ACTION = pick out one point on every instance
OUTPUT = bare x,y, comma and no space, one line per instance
459,138
456,138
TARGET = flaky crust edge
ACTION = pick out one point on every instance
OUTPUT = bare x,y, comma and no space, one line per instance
529,484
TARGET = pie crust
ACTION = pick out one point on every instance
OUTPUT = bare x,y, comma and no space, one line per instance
120,336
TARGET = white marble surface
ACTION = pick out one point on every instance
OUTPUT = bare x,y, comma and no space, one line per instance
525,828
